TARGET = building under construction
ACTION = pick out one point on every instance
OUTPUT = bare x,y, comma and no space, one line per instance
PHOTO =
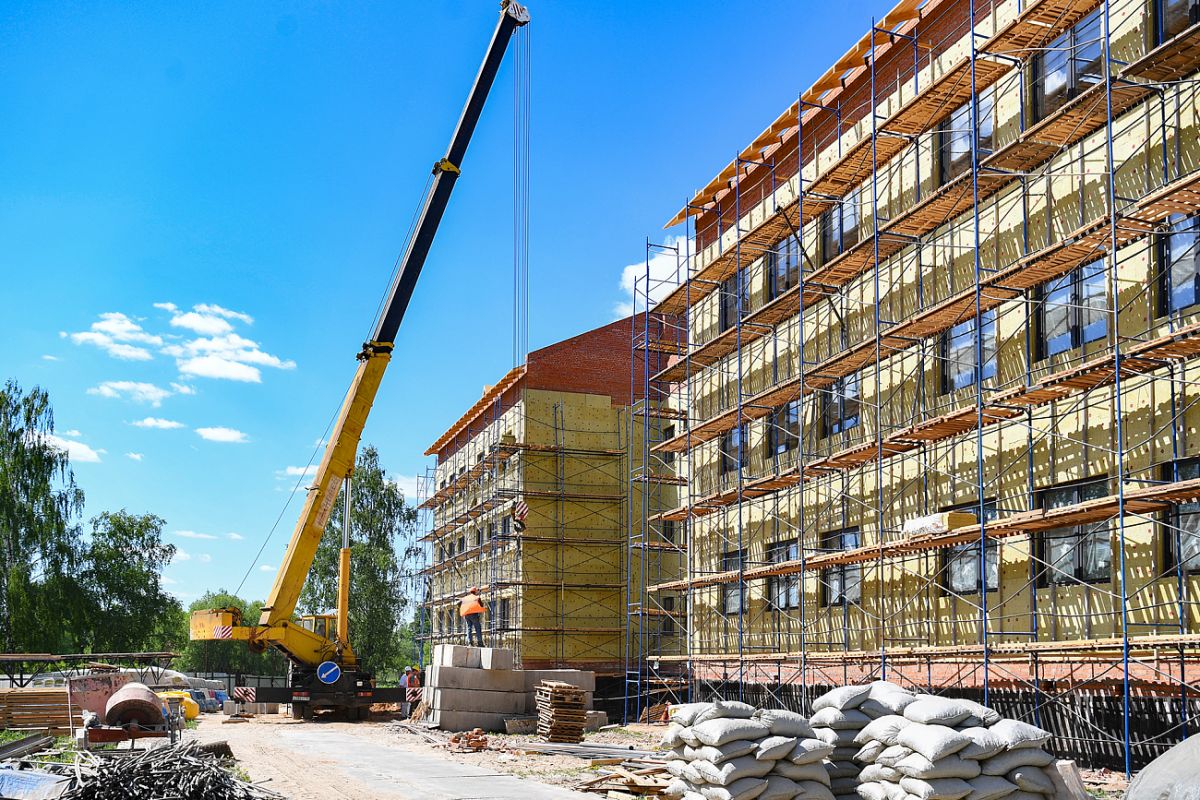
530,502
931,378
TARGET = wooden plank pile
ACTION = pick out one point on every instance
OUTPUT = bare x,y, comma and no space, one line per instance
626,782
37,710
562,711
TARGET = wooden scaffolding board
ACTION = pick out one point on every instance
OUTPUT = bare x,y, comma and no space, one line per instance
1170,61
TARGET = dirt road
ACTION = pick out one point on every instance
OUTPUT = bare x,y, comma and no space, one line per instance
318,761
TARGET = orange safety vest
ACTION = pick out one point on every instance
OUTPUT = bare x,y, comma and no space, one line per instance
469,605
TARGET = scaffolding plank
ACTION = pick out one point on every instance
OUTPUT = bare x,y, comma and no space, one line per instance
1174,59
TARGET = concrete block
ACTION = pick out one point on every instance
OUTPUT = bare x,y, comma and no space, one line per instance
229,707
495,658
488,680
595,720
521,726
467,720
476,700
456,655
581,678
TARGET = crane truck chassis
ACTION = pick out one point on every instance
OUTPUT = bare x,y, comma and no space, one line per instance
324,670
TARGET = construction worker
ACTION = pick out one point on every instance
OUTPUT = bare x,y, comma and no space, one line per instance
413,694
471,609
405,682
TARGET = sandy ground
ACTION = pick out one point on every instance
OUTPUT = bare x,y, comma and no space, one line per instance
321,760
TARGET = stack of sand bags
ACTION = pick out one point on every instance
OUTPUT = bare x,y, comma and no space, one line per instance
731,751
938,748
839,717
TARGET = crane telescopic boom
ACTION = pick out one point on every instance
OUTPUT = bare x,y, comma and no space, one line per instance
308,647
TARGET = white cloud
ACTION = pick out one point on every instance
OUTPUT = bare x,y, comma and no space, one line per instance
77,451
220,434
119,336
296,472
167,306
203,324
73,433
220,368
132,390
204,558
213,308
134,456
666,272
182,555
234,537
192,535
158,422
49,357
408,485
183,388
266,568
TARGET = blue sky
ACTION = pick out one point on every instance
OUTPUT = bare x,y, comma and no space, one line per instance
200,205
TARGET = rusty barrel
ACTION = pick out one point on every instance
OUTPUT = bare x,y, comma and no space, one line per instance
134,703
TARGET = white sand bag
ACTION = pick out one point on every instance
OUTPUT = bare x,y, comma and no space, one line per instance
872,790
723,753
716,732
688,737
878,772
842,697
684,714
1031,779
991,787
869,752
725,709
933,710
670,736
676,788
935,742
1017,734
843,737
893,755
784,723
985,716
780,788
984,744
812,790
694,795
808,751
774,748
1022,757
741,789
691,773
918,766
937,788
732,770
802,772
884,729
839,719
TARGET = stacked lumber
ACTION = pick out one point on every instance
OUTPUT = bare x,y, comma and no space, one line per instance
562,711
37,710
625,783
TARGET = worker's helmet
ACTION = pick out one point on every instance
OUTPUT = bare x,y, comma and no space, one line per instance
408,669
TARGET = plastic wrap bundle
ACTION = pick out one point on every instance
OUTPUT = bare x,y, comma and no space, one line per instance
840,716
938,748
731,751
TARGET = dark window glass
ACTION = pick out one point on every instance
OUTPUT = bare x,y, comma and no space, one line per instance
783,267
783,591
734,449
733,595
784,432
1078,552
958,353
1074,309
732,300
839,227
504,614
840,405
1179,276
1175,16
841,584
668,622
1183,541
954,137
1069,65
960,563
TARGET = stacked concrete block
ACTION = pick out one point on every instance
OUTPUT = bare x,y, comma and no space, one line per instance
477,687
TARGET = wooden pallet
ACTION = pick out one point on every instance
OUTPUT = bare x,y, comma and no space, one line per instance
562,711
37,710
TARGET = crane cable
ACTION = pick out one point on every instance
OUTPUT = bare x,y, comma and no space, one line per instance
521,152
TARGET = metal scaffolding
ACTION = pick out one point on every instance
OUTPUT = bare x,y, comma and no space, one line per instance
900,371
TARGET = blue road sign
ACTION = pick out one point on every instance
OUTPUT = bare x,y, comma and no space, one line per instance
329,672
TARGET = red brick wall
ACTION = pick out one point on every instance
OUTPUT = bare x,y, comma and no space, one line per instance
595,362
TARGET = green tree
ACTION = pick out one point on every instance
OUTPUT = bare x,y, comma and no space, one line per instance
383,552
233,657
124,558
41,604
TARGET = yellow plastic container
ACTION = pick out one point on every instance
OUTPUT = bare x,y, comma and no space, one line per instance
191,709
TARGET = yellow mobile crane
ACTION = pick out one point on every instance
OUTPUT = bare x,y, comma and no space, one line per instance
324,670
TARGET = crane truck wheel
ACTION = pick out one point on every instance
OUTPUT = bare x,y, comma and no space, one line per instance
297,710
